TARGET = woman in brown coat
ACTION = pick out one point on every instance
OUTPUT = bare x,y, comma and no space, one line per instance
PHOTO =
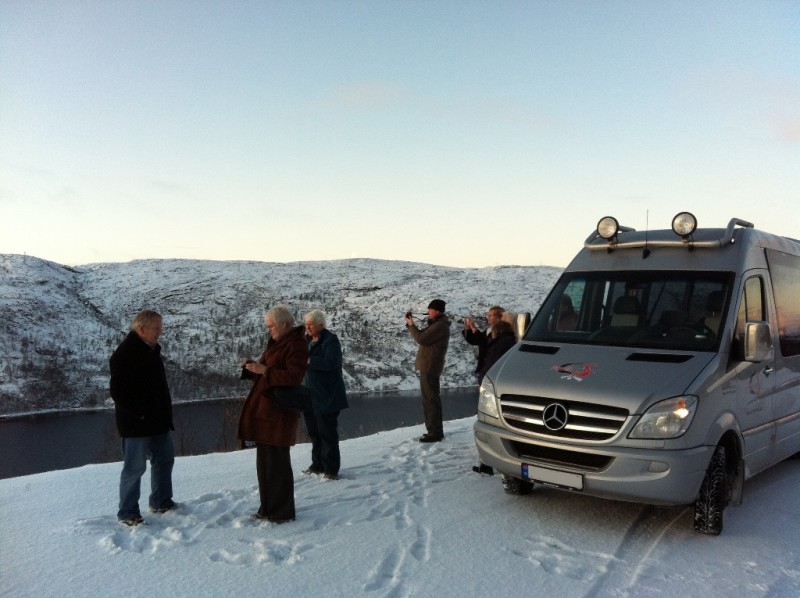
274,430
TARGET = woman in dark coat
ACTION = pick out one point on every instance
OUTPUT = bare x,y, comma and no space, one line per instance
503,338
274,430
324,377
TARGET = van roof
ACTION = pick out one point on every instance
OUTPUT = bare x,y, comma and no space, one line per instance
728,249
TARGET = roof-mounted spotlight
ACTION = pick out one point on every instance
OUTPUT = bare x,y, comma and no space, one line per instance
684,224
608,228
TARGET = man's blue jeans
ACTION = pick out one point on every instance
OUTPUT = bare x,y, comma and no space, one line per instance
135,452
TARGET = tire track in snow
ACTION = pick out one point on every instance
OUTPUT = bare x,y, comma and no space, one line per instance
639,541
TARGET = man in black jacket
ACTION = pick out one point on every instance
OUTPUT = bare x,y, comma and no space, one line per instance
481,338
143,408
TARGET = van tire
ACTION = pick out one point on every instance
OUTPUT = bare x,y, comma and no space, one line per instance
711,500
514,485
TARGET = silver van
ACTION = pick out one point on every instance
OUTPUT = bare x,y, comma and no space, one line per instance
663,368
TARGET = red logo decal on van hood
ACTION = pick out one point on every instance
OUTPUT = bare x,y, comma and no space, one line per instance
574,371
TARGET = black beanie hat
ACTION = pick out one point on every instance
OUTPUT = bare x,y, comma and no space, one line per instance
437,304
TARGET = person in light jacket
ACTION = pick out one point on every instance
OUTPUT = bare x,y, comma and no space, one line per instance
274,430
432,341
324,377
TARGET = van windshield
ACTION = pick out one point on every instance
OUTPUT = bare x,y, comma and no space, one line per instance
665,310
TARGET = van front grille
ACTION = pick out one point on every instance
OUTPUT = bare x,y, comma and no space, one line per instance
561,419
559,457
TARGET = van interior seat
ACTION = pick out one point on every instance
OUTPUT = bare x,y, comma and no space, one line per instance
627,311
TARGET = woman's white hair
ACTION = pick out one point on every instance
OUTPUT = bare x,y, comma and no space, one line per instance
511,318
280,314
315,316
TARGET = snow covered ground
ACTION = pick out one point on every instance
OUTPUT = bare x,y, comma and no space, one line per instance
405,519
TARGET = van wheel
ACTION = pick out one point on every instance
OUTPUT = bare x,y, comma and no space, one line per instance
514,485
711,500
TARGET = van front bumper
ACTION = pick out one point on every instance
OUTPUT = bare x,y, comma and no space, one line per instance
652,476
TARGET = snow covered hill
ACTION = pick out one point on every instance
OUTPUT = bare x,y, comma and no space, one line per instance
59,325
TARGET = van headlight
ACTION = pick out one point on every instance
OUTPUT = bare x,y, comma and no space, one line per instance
487,401
667,419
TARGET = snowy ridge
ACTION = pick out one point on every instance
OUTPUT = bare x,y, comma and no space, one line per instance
59,325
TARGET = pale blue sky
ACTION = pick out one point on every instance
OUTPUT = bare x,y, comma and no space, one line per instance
454,133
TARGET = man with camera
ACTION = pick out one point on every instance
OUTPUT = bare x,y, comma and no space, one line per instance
481,338
432,340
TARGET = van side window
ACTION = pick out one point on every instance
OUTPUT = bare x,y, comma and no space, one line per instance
751,309
785,271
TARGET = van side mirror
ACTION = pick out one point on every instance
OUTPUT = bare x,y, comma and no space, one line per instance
757,342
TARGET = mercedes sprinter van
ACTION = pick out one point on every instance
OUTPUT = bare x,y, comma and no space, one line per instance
663,368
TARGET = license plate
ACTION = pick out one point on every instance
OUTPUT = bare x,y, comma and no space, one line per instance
552,477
